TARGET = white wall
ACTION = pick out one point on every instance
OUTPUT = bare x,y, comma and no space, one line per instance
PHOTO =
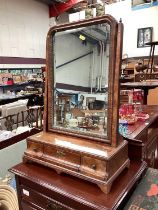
23,28
78,72
69,47
132,21
11,156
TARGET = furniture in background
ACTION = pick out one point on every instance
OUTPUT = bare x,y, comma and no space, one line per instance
143,77
129,66
142,138
139,72
152,96
20,125
16,128
151,56
145,86
12,109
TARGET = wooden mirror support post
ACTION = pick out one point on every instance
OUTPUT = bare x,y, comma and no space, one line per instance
91,156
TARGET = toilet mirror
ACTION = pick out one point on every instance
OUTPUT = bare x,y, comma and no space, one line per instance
81,65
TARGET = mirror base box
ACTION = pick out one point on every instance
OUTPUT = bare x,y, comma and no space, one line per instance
93,161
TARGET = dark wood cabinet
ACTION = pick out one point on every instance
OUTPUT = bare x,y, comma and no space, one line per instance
145,86
143,138
41,188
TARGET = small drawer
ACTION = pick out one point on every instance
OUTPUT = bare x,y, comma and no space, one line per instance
36,199
62,156
140,77
94,167
35,149
26,206
155,76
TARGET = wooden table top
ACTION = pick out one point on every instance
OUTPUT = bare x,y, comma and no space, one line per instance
138,127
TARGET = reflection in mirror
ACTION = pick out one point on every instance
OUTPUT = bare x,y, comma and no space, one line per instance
81,66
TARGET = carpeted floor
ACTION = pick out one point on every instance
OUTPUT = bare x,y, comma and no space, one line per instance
145,197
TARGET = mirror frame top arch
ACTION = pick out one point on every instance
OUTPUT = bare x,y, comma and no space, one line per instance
115,53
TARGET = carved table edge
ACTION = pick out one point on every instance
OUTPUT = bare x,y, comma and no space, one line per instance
57,190
136,178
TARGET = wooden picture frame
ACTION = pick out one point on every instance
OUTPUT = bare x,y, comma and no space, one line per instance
144,36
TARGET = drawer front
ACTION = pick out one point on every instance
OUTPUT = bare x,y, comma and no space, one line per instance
62,156
94,167
55,193
37,200
154,76
140,77
34,148
26,206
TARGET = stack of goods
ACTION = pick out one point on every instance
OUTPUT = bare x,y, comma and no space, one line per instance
17,79
100,10
31,90
131,113
135,96
8,196
126,114
6,79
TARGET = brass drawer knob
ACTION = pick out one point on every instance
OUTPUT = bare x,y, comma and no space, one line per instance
93,167
52,206
35,149
60,153
141,76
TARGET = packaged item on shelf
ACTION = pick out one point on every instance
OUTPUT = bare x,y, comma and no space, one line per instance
6,79
17,78
138,95
126,113
130,96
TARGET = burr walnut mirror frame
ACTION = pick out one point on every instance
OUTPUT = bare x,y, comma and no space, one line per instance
110,35
80,135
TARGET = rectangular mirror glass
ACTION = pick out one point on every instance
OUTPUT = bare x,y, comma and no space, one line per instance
81,72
